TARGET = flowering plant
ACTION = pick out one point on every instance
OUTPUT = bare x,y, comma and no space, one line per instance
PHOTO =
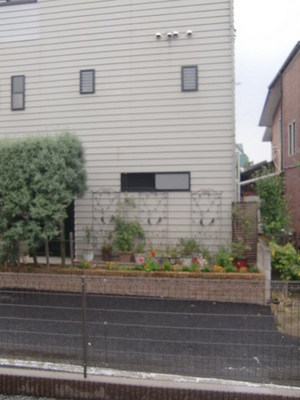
151,263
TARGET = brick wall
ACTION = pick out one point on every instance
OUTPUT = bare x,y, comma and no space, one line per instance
235,287
292,191
61,387
291,113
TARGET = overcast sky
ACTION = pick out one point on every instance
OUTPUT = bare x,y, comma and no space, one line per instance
266,33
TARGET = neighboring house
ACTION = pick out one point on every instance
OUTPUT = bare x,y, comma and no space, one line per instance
281,117
148,87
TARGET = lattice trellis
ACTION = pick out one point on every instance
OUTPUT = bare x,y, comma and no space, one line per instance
154,216
152,211
105,205
206,214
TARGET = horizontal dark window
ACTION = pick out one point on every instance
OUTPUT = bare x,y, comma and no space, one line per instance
14,2
155,182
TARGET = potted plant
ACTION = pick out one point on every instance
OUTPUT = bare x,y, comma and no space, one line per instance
171,254
106,250
238,252
139,253
88,252
188,248
124,236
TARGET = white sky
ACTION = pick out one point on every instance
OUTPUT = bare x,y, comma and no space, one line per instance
266,33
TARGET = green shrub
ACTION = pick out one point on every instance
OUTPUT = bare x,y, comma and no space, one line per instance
273,204
188,247
125,234
223,258
285,260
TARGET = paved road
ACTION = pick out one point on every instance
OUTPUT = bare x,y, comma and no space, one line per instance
207,339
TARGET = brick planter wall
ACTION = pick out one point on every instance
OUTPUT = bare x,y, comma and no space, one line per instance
226,287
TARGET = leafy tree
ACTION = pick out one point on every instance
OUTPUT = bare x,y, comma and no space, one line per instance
273,207
39,178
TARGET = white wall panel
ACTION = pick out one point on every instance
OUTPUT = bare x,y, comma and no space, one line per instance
138,120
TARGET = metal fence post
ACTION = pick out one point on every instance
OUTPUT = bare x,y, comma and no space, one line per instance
84,331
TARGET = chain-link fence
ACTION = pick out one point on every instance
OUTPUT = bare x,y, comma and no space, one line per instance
79,326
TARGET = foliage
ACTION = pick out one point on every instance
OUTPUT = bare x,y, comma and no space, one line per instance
273,207
39,178
223,258
188,247
170,251
140,248
125,233
167,266
106,247
88,235
151,264
239,249
285,260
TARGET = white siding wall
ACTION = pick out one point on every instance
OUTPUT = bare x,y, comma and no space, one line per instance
138,120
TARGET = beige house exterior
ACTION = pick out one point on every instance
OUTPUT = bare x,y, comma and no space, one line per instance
148,87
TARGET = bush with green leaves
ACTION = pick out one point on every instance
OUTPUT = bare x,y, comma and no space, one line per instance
223,258
125,234
188,247
273,204
39,178
285,260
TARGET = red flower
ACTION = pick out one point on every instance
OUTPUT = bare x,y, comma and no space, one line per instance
194,259
153,253
157,261
144,264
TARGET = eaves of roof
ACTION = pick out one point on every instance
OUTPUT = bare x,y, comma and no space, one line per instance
274,93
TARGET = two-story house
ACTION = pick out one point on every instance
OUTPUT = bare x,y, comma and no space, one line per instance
281,117
148,87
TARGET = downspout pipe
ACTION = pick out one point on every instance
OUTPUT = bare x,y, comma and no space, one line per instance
281,123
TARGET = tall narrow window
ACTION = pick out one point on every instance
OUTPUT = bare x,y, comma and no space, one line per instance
87,81
189,78
18,92
292,138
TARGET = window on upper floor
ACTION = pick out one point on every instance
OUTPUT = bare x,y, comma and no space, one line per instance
292,138
155,182
189,78
18,93
87,81
14,2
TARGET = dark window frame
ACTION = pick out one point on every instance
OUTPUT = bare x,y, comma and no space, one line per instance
127,186
292,138
93,82
195,67
13,92
15,2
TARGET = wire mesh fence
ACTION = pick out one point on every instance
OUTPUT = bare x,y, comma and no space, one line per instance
75,326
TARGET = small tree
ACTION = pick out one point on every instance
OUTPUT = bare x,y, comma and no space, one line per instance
273,207
39,178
